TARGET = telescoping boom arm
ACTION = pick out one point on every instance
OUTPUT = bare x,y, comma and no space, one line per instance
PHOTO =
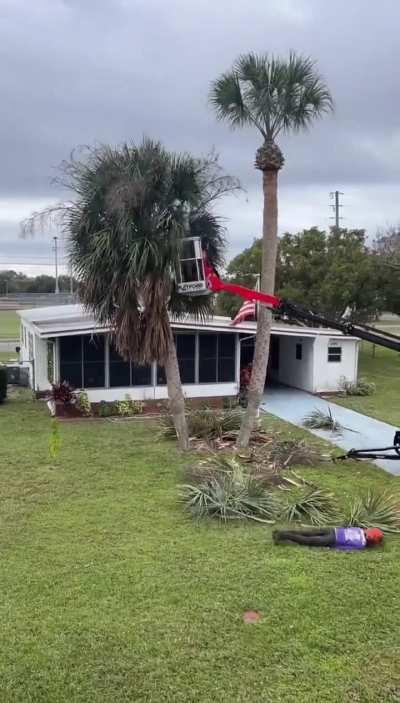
297,312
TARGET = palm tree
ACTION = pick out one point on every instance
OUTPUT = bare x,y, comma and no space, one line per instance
274,96
131,208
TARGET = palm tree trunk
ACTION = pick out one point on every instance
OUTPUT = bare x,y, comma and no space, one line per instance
175,394
261,352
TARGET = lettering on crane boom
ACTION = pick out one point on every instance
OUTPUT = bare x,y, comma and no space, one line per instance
192,287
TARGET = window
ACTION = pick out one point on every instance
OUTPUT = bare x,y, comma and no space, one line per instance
186,351
120,370
71,360
93,361
125,373
226,358
141,375
335,354
208,353
299,351
217,358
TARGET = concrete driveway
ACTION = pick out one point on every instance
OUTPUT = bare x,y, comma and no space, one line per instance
361,431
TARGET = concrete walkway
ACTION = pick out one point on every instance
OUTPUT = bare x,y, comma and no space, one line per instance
363,432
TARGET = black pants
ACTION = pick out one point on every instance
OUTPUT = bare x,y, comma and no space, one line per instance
317,537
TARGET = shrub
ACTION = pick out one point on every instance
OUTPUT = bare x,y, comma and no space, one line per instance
320,420
3,384
361,387
62,393
83,403
106,409
128,407
374,509
232,493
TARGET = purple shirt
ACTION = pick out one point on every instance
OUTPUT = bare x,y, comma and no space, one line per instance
350,538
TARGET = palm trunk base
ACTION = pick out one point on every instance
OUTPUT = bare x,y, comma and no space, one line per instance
176,397
249,420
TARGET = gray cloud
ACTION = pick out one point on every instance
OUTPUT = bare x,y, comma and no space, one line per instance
80,71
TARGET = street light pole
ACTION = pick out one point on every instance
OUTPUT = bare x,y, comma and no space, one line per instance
56,290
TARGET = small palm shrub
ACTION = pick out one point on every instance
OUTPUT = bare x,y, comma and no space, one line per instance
361,387
374,509
307,503
3,384
320,420
229,493
204,423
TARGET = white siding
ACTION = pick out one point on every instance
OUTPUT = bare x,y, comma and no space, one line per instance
327,374
205,390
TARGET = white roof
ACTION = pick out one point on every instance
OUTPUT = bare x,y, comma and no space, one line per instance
62,320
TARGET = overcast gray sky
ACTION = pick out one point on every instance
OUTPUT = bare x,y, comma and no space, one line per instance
80,71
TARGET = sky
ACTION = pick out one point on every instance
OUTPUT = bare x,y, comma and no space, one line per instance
78,72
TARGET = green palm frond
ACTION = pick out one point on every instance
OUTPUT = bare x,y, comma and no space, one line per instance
124,231
374,509
271,94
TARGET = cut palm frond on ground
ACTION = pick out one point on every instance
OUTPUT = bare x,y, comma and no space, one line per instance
232,493
374,509
303,501
320,420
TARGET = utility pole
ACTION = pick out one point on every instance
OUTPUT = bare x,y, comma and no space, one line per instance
56,290
336,207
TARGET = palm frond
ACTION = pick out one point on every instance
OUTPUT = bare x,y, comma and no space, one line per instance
271,93
304,502
230,494
374,509
320,420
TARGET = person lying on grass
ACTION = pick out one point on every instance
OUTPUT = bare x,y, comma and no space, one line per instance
339,537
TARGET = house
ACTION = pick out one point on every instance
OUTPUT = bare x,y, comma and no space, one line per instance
66,343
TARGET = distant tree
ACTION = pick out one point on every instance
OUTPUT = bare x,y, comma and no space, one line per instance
273,96
329,272
12,282
245,268
387,250
42,284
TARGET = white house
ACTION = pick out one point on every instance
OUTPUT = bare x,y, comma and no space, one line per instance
66,343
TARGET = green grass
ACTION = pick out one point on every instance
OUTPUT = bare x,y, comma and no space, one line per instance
9,324
383,369
109,593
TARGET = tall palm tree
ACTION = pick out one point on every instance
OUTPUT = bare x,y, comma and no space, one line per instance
131,208
274,96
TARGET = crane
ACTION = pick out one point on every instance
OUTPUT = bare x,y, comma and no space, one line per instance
197,276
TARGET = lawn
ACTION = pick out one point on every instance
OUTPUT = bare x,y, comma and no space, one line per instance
9,324
110,594
383,369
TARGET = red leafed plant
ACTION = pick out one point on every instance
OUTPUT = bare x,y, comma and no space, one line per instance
62,393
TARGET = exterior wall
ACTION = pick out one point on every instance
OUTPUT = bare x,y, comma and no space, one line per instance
327,374
41,372
206,390
297,373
